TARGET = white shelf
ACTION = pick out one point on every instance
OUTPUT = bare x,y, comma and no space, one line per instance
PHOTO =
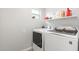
63,18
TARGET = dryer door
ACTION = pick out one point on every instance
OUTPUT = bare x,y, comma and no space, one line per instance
37,39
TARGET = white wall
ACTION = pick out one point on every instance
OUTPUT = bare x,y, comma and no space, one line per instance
15,28
52,11
69,22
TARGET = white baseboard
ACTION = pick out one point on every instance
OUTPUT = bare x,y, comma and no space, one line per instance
28,49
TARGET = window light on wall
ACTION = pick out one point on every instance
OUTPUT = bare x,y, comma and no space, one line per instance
35,13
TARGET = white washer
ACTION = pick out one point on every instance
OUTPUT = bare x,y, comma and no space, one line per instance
61,42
